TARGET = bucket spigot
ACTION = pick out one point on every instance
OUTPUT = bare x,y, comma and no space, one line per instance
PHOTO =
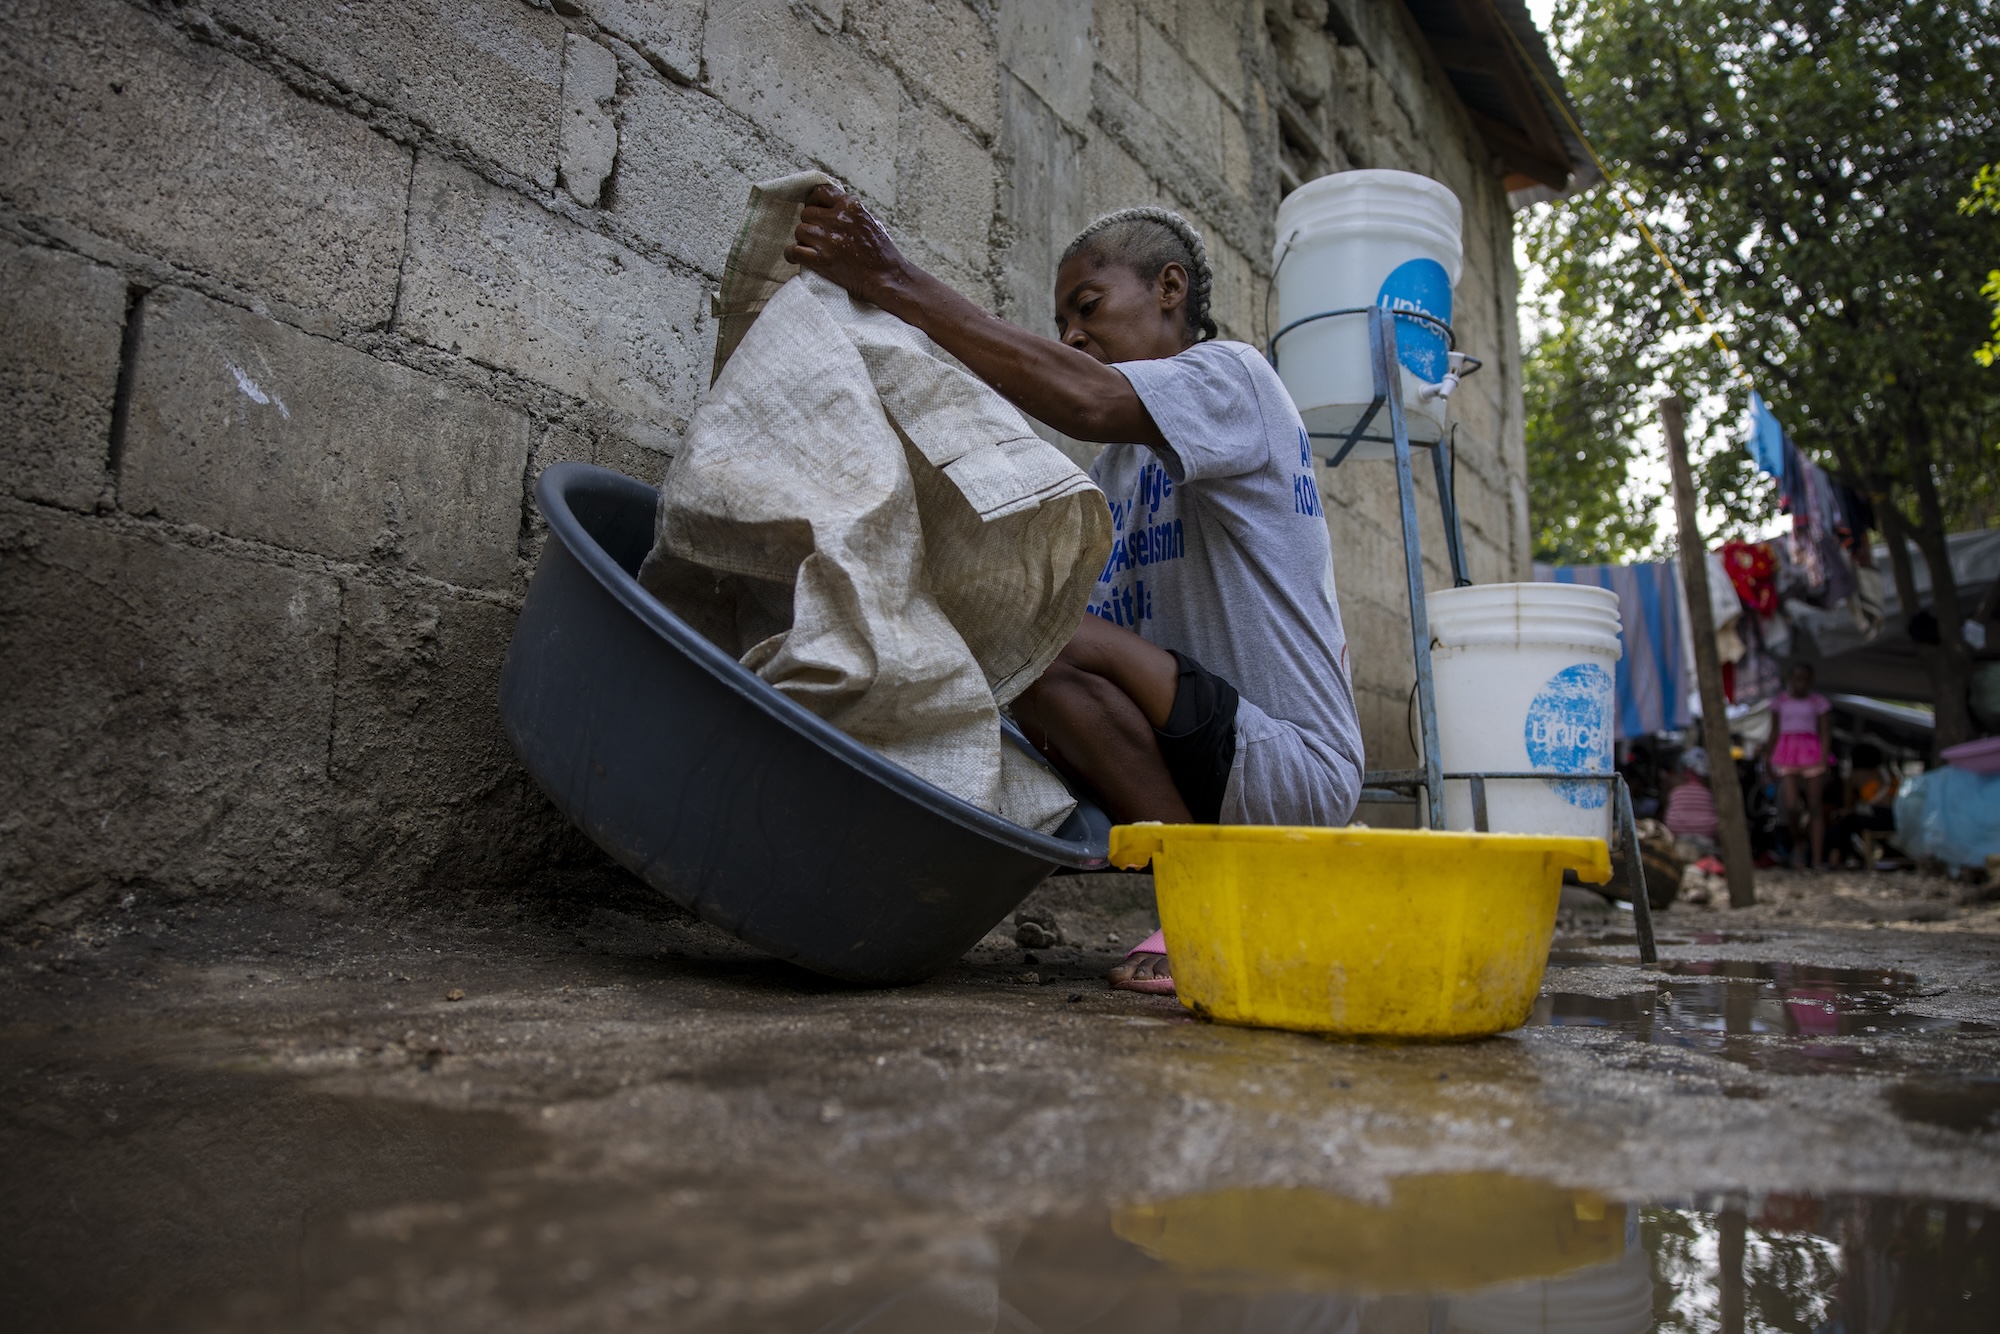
1460,365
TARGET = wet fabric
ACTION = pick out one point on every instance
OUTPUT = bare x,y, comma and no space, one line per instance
1655,674
1199,739
1765,439
871,530
1222,552
1753,570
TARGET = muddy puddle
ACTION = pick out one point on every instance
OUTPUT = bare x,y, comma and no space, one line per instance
138,1193
1778,1017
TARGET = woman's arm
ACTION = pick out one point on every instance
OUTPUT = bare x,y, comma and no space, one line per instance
1067,389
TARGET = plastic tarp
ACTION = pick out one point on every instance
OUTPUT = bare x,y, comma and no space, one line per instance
1951,814
1655,673
1885,664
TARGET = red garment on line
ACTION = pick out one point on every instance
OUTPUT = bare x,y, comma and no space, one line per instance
1754,572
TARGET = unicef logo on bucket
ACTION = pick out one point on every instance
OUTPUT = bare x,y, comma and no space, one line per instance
1569,728
1422,285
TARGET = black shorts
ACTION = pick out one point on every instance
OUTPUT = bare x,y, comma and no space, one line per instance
1199,740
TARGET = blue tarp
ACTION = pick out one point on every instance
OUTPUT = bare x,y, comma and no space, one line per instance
1950,814
1654,681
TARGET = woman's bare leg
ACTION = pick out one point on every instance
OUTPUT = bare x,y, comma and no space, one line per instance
1093,714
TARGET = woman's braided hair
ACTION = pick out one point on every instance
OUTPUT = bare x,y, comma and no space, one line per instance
1146,240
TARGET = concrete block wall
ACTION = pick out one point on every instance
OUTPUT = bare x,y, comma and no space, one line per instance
296,300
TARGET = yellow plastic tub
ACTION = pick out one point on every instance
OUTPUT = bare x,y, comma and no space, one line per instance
1360,932
1445,1232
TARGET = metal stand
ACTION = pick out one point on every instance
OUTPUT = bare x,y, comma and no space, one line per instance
1403,786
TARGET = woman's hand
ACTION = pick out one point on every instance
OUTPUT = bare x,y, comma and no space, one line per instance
839,239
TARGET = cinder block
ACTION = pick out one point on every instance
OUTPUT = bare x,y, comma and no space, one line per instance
814,90
939,46
1046,45
167,715
589,128
1170,88
501,280
950,190
666,32
252,428
1238,165
1162,14
1385,724
61,321
1116,31
569,444
113,122
1043,203
1238,299
482,74
1212,35
1112,178
686,165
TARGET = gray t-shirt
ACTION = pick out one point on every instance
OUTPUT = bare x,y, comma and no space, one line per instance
1220,550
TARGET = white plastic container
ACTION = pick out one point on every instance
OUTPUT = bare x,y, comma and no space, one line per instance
1356,239
1525,677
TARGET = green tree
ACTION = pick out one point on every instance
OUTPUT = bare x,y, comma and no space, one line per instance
1801,164
1985,198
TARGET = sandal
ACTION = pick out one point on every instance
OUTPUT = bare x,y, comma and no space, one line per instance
1153,986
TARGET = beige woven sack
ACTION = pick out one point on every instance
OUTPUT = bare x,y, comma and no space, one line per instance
872,530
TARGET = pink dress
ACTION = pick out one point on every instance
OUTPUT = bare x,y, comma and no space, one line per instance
1798,750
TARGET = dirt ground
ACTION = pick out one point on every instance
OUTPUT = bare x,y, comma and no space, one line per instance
603,1115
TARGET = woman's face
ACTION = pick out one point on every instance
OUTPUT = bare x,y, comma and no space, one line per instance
1110,312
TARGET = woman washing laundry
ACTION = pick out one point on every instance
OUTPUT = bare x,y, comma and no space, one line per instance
1208,681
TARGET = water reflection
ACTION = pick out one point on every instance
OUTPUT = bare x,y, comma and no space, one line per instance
1727,1008
1506,1256
139,1196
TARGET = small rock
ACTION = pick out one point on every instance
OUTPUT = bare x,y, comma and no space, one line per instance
1029,979
1037,929
455,994
1075,996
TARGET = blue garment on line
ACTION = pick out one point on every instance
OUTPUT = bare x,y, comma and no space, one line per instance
1653,681
1766,441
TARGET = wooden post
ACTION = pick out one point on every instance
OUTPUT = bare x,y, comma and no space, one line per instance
1707,667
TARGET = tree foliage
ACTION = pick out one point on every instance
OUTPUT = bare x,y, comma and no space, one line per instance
1802,165
1985,198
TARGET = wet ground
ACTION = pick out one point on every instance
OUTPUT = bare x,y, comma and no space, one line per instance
604,1117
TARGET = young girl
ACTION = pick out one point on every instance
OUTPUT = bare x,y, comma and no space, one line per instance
1801,742
1690,808
1209,680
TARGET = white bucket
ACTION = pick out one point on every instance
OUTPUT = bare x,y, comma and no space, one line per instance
1525,677
1365,238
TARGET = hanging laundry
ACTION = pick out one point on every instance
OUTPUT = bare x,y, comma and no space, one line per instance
1753,572
1857,520
1792,497
1764,438
1725,610
1655,675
